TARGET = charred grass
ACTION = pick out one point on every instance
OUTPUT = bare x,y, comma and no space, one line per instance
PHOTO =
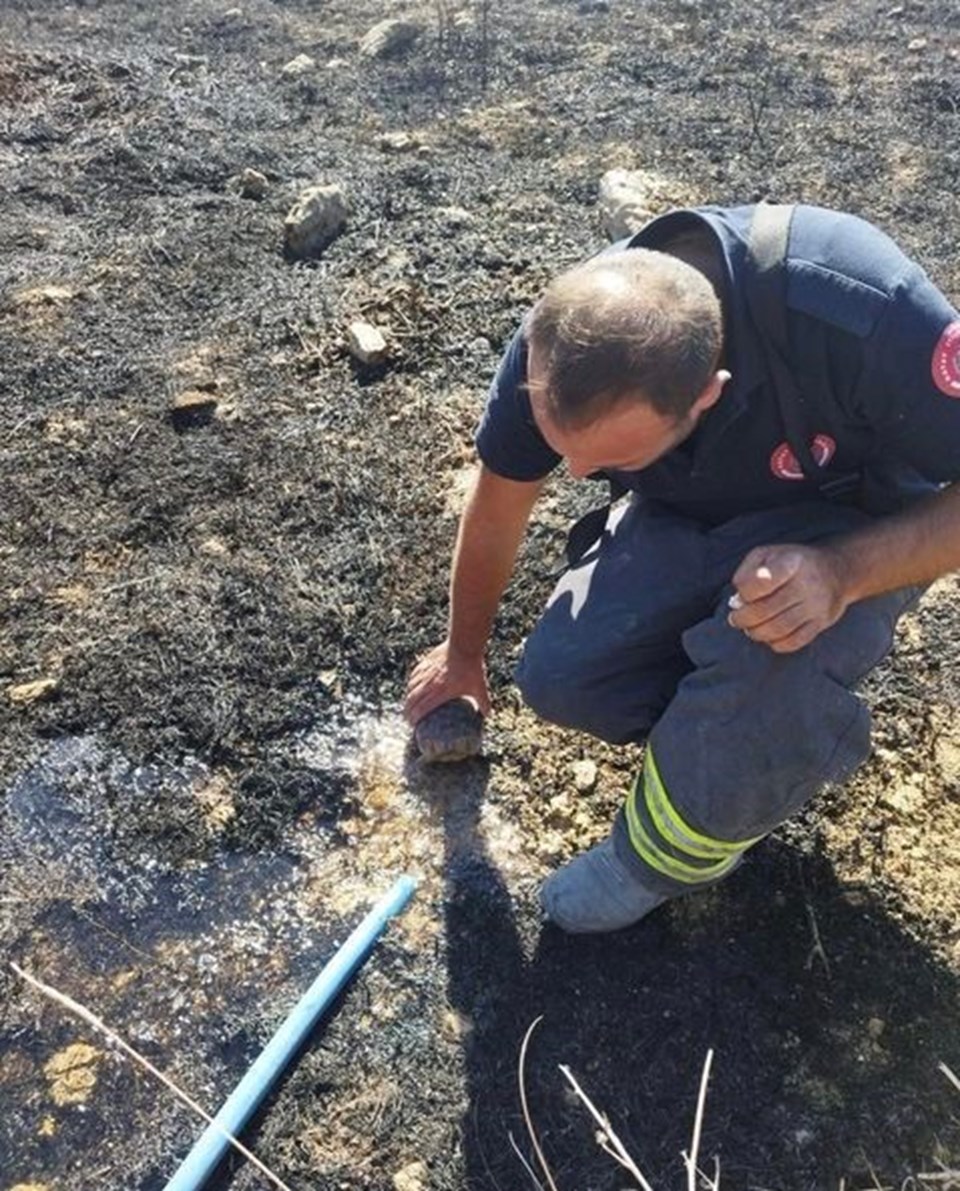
204,591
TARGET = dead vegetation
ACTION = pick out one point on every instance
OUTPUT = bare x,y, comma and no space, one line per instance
199,587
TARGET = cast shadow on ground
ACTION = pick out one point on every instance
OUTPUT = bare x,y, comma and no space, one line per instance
827,1021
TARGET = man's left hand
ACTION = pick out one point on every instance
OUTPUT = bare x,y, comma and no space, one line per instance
787,595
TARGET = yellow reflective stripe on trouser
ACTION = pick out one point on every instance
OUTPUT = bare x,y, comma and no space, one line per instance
672,827
711,858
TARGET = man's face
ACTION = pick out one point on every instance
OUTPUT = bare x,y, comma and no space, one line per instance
629,437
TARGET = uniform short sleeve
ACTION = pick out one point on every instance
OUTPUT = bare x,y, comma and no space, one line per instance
913,379
508,440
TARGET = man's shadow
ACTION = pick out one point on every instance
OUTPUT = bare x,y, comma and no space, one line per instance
826,1018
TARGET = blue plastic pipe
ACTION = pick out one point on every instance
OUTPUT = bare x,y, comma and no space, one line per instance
246,1097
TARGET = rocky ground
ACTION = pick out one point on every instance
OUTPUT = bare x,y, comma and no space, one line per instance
226,537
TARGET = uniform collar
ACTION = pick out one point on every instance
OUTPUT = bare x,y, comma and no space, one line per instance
728,228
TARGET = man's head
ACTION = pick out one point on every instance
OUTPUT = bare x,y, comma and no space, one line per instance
623,358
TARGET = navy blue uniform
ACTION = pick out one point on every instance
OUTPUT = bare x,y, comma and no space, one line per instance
874,348
634,644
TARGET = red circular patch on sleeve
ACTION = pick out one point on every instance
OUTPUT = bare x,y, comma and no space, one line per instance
945,365
783,462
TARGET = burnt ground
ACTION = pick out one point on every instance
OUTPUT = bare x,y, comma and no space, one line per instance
214,786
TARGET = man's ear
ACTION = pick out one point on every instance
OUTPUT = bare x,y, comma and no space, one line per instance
711,392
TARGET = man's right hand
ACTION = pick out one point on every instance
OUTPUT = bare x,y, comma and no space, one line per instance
441,675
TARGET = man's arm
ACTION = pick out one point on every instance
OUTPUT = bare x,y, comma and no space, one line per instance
787,595
491,530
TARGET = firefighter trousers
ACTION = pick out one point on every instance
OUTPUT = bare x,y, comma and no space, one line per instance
634,645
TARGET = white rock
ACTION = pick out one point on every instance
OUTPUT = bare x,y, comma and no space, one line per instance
584,776
396,142
455,216
318,215
33,692
917,45
44,295
629,199
906,799
194,401
389,37
302,64
367,343
411,1178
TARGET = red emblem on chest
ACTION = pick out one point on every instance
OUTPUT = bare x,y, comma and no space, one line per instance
945,365
783,462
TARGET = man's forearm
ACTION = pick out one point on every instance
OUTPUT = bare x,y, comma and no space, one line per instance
907,549
491,530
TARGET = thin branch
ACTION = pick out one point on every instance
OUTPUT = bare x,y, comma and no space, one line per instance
526,1165
691,1161
100,1025
817,950
623,1157
949,1074
521,1074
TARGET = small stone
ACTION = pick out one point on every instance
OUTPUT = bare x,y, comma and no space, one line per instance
44,295
584,776
628,199
194,401
232,14
411,1178
397,142
456,216
337,63
251,184
906,800
455,1026
33,692
318,215
389,37
917,45
194,408
366,343
451,732
298,66
875,1027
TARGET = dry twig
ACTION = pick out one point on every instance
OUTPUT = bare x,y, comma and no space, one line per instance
100,1025
521,1070
526,1165
816,950
691,1159
614,1147
949,1074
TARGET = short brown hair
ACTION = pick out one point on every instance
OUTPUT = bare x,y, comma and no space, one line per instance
635,323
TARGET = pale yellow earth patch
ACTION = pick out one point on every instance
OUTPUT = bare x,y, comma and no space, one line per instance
216,802
47,1127
72,1073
